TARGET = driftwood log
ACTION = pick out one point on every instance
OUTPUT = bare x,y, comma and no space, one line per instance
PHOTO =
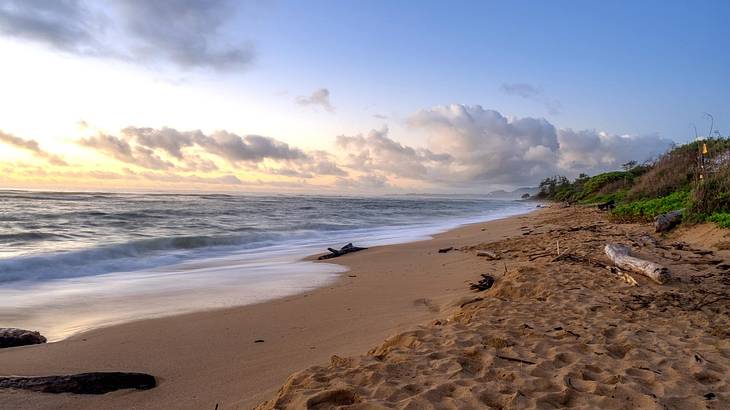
11,337
619,255
82,383
344,250
665,222
488,254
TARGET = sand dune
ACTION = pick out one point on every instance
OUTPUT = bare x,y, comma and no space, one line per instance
554,334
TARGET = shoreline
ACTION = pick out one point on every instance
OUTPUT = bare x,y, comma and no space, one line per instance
289,273
90,350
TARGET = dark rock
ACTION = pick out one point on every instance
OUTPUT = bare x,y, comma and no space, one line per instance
82,383
665,222
11,337
710,396
607,206
258,341
444,250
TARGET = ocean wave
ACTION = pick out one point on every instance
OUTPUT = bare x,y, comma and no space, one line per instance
29,236
129,256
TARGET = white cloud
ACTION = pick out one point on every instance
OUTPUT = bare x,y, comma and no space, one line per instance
320,97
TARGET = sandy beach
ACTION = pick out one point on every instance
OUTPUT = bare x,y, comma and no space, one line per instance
550,333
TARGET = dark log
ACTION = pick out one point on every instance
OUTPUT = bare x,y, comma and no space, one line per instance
607,206
665,222
82,383
344,250
11,337
444,250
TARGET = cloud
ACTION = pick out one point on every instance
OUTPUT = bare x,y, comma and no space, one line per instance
489,147
376,151
169,140
380,116
463,147
31,146
320,97
366,182
531,92
123,151
591,151
187,33
251,148
523,90
469,146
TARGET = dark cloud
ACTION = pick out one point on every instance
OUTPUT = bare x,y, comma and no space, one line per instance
169,140
523,90
31,146
531,92
320,97
184,32
251,148
121,150
227,145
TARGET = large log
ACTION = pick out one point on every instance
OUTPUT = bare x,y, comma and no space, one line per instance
82,383
665,222
619,255
11,337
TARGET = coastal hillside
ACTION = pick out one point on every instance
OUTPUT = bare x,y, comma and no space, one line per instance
694,178
555,331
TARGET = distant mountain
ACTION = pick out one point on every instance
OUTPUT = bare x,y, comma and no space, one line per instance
516,194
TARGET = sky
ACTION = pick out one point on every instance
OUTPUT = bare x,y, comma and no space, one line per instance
350,96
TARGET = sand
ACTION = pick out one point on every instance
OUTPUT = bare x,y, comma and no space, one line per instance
550,333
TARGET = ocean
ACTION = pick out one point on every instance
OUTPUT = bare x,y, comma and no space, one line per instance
70,262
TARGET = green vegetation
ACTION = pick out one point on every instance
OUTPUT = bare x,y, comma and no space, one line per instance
676,180
647,209
721,219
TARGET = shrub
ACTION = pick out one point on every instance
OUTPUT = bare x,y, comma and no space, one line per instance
721,219
647,209
712,195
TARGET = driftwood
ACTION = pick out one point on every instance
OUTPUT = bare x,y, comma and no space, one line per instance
344,250
665,222
619,255
11,337
488,254
82,383
484,283
444,250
